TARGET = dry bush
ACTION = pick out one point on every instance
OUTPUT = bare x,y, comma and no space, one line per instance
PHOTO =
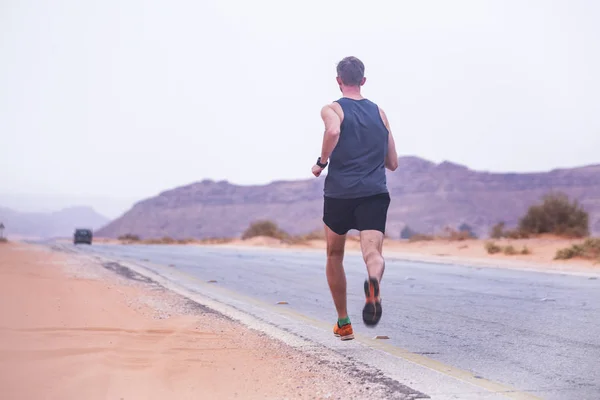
464,232
589,250
468,230
3,240
509,250
264,228
419,237
166,240
407,232
458,235
556,215
492,248
318,234
163,240
215,240
516,234
129,237
497,231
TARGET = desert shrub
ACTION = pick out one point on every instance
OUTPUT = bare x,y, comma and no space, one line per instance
497,230
509,250
407,232
317,234
453,234
186,241
468,230
264,228
492,248
215,240
590,249
420,237
162,240
459,235
556,215
129,237
516,234
3,240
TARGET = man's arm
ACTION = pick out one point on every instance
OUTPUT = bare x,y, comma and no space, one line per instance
391,160
332,122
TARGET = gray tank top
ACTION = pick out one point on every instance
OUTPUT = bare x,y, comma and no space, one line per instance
357,163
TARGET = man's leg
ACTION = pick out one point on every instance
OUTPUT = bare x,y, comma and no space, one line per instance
371,217
371,244
336,277
338,218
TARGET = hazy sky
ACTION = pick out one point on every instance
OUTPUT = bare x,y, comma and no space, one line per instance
123,99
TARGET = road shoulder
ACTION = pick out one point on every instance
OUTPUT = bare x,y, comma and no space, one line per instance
75,328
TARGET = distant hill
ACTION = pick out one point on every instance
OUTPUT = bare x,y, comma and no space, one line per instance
54,224
425,195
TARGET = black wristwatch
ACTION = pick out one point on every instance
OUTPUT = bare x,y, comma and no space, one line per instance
319,163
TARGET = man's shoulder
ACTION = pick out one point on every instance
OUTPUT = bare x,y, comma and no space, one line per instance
333,107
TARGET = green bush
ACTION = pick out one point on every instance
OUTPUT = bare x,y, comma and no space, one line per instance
556,215
264,228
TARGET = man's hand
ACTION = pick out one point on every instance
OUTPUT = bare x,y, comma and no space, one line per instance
316,170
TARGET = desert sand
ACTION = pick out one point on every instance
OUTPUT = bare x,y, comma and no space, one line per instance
72,329
542,251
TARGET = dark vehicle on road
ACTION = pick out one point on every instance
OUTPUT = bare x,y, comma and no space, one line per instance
82,236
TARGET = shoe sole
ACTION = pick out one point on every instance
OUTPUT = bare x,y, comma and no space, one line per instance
372,310
347,337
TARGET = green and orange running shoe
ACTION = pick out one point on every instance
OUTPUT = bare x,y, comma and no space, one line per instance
372,310
344,332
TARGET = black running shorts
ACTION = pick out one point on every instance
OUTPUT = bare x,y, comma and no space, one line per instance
363,213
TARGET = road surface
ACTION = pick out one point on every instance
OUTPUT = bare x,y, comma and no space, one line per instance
526,334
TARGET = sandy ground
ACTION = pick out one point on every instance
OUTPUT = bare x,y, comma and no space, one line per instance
73,329
542,250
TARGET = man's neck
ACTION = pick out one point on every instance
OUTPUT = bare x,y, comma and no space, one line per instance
352,92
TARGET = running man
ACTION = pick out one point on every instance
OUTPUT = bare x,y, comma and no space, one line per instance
358,146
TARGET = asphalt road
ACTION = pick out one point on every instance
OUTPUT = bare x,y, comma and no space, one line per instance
537,332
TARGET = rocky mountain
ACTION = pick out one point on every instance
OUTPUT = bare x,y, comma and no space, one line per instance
426,196
53,224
